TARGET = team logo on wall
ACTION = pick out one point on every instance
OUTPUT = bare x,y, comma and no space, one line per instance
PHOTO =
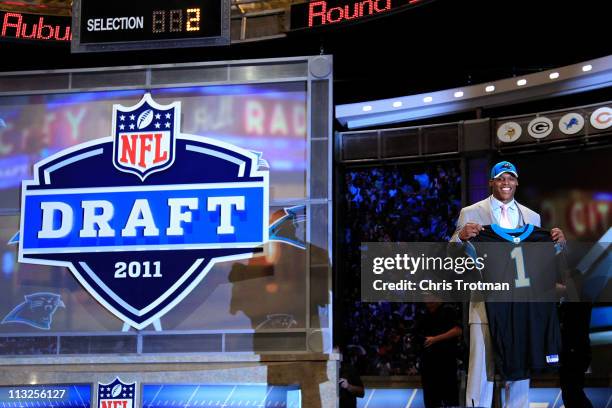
290,228
141,217
571,123
509,132
37,310
601,118
540,127
116,394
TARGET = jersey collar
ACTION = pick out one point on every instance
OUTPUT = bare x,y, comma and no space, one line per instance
524,231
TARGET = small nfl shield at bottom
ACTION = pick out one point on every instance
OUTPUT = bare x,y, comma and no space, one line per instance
116,394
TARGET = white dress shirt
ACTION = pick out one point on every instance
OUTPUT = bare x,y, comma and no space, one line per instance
477,310
513,211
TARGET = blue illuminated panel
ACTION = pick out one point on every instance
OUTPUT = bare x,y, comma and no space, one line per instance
389,397
46,396
202,232
215,395
601,318
413,398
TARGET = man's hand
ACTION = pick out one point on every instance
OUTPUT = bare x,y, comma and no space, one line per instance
430,341
470,230
356,390
557,235
561,289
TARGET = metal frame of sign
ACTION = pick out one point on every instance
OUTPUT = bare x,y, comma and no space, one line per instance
314,71
78,47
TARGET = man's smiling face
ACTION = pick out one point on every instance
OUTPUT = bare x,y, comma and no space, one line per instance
504,187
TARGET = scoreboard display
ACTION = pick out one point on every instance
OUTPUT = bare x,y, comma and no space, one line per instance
113,25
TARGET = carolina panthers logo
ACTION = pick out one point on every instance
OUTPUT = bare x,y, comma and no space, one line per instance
37,310
277,321
290,228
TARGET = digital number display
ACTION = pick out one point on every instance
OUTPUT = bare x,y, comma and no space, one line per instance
47,395
120,24
176,22
17,394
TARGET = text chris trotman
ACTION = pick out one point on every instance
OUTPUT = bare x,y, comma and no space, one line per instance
410,271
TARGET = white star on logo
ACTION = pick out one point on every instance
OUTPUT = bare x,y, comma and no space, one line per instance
131,126
132,117
122,117
122,126
167,124
157,125
168,116
157,116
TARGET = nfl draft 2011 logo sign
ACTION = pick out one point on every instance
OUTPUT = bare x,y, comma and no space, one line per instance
141,217
116,394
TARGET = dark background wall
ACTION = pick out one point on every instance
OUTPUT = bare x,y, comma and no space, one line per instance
440,44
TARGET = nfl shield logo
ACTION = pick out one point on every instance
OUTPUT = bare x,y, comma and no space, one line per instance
116,394
144,140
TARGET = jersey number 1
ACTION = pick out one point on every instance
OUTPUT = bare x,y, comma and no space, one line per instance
522,280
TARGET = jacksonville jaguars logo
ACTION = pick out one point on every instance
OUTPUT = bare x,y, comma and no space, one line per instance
37,310
141,217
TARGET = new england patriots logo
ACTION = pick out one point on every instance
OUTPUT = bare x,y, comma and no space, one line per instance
37,310
116,394
139,245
